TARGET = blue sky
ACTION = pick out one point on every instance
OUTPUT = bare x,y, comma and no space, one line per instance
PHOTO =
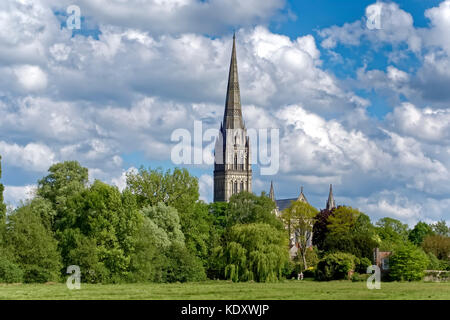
365,110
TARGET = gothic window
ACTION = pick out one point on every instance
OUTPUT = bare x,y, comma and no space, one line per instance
235,188
235,162
242,186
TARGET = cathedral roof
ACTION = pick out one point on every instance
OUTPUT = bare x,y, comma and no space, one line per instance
232,118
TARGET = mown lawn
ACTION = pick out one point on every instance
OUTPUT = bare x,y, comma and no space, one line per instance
215,290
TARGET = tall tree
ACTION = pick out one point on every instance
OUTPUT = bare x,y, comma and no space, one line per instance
320,228
246,207
391,232
300,217
33,246
2,205
255,251
65,180
440,228
419,232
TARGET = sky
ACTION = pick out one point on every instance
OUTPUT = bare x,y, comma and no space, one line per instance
364,108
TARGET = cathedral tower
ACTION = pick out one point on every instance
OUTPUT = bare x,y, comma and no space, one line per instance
232,162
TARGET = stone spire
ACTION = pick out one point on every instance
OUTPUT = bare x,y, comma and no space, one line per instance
302,197
232,118
272,193
330,202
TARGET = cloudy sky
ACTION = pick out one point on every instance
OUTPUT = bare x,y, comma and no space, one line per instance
366,109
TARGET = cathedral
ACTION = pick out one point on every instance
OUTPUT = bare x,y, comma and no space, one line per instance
232,162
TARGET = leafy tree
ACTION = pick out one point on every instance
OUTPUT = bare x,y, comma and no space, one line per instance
320,228
177,189
391,232
32,245
300,217
107,218
181,265
437,245
440,228
335,266
419,232
64,181
351,231
175,261
245,207
2,205
407,263
343,219
255,251
10,272
165,223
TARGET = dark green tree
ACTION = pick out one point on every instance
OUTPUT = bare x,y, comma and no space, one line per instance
32,245
245,207
255,251
2,205
419,232
64,181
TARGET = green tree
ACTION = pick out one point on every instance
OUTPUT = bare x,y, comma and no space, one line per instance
437,245
419,232
350,231
407,263
391,232
343,219
255,251
335,266
300,217
175,188
2,205
109,219
64,181
440,228
33,246
245,207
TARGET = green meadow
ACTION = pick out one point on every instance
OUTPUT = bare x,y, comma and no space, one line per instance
216,290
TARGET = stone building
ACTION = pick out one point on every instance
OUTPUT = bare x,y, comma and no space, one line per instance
232,162
232,158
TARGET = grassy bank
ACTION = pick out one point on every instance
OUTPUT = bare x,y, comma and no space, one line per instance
212,290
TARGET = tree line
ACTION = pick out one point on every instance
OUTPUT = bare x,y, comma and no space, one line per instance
158,230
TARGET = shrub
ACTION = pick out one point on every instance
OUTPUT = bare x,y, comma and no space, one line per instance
335,266
360,277
362,264
407,263
9,271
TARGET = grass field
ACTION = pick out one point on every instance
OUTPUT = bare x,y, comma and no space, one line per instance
212,290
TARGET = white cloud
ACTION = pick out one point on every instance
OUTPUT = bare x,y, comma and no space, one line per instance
33,156
205,184
31,78
15,194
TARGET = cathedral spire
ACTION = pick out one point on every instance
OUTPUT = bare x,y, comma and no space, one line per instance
330,203
272,192
302,197
232,118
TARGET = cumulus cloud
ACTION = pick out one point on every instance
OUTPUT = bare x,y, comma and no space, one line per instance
33,156
96,100
178,16
15,194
